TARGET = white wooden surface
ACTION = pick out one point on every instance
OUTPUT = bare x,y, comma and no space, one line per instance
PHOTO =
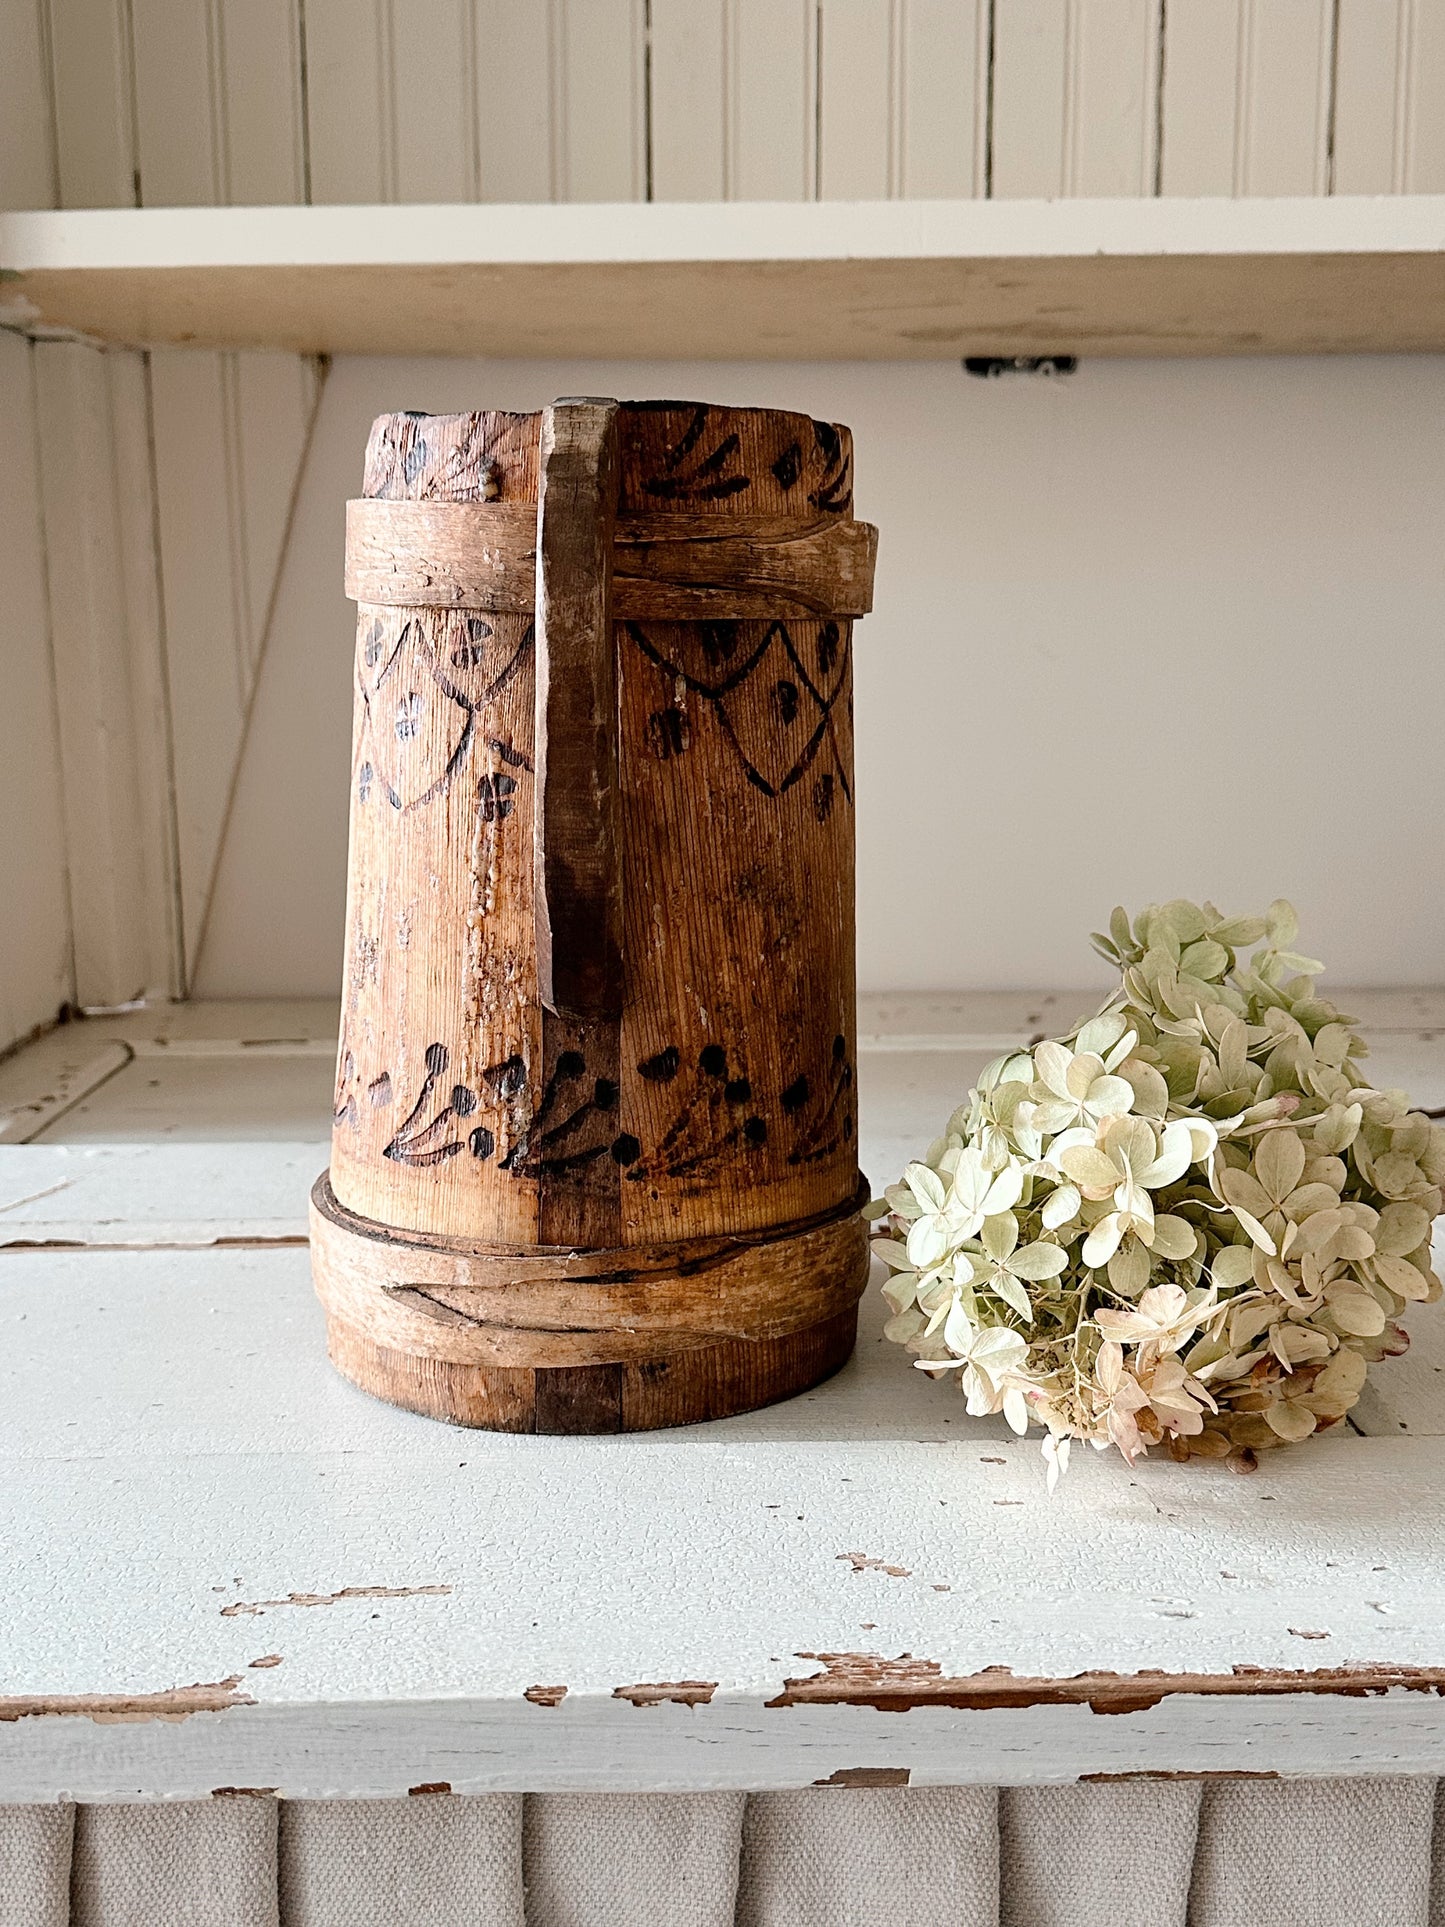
859,280
197,1492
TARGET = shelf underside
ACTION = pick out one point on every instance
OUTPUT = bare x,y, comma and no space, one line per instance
886,281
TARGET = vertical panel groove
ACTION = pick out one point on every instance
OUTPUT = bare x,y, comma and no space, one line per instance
171,855
557,99
988,105
1405,25
1161,58
305,102
1243,96
52,675
818,101
647,119
1332,102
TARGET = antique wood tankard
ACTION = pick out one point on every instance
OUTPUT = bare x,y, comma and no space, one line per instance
594,1165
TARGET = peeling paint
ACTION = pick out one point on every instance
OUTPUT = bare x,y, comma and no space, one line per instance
899,1685
684,1692
860,1562
252,1606
244,1792
866,1776
109,1709
1166,1773
266,1659
545,1695
430,1786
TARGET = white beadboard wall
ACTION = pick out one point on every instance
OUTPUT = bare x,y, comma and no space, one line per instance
106,103
1247,550
1146,630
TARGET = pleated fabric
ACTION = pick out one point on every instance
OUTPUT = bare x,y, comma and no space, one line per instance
450,1863
35,1866
625,1859
870,1857
201,1863
1334,1853
1149,1853
1120,1854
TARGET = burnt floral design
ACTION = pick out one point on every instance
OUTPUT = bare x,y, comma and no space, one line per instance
779,698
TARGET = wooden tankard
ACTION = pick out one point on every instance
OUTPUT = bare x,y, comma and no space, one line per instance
594,1165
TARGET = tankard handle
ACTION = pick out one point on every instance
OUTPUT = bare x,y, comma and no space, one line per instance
577,849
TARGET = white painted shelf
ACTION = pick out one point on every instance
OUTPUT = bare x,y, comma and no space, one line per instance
225,1567
912,280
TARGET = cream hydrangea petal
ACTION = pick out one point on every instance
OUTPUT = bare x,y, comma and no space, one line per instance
1038,1261
1290,1420
926,1186
1102,1033
1255,1229
1239,1188
1084,1070
1355,1311
1176,1154
1121,1051
959,1331
927,1242
1000,1234
1109,1366
1109,1097
1232,1267
1165,1304
1094,1173
1173,1237
1298,1344
904,1325
1402,1228
1016,1409
1005,1191
1103,1241
1129,1269
997,1350
1401,1277
892,1253
1013,1292
1052,1062
1279,1162
1060,1207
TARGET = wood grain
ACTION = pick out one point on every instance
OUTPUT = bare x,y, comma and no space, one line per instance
577,884
678,568
704,1093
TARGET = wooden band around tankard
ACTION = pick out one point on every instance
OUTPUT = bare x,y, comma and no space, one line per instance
668,567
540,1306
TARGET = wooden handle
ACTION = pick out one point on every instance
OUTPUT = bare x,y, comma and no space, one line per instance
577,851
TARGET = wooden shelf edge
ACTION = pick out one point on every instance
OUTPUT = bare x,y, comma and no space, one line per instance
903,280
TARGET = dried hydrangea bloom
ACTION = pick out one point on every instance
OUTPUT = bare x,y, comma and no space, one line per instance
1192,1223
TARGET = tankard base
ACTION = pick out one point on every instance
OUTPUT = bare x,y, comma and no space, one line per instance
538,1339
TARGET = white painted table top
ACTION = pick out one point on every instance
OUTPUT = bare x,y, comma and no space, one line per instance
223,1566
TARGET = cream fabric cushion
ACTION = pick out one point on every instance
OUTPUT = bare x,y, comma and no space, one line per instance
1149,1853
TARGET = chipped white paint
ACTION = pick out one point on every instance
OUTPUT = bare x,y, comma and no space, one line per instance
173,1445
144,1194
